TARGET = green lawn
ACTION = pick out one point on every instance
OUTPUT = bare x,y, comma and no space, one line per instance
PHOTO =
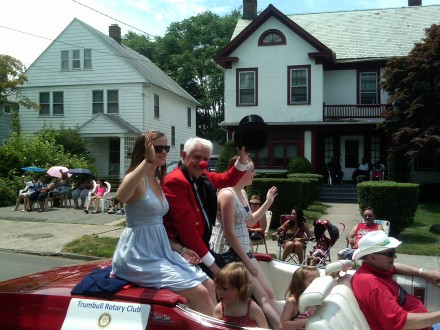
417,239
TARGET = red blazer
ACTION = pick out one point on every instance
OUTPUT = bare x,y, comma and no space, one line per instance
184,221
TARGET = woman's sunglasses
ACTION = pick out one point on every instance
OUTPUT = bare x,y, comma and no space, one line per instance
159,149
390,254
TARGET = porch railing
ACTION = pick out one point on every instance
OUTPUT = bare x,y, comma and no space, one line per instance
349,112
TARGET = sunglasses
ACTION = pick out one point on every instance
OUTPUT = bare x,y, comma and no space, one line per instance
159,149
390,254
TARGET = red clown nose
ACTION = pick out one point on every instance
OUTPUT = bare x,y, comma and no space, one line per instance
203,165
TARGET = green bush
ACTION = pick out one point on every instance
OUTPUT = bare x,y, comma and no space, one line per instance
299,164
290,194
276,175
316,181
392,201
40,150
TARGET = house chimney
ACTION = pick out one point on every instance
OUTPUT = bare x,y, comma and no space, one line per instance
249,9
414,3
114,31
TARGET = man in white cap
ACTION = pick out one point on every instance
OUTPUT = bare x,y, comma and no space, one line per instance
384,303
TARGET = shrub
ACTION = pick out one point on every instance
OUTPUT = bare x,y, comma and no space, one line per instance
290,194
276,175
392,201
299,164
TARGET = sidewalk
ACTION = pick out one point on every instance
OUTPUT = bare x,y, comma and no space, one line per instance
47,232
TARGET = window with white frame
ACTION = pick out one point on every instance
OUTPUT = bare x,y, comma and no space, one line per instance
65,60
58,103
299,84
8,109
375,150
112,102
188,116
44,104
105,101
97,102
156,106
272,38
247,87
328,149
87,59
368,88
76,59
51,103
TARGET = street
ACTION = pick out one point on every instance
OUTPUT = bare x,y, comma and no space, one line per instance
17,264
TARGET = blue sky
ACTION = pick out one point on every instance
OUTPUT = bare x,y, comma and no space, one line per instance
40,21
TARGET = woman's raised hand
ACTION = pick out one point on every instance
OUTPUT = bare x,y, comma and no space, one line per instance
271,194
149,149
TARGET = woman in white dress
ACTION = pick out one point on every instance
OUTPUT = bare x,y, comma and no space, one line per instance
230,239
144,254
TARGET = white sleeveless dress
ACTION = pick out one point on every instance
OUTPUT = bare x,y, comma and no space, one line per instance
143,255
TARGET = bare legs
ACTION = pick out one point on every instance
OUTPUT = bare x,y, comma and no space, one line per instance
293,246
266,298
95,199
201,297
17,203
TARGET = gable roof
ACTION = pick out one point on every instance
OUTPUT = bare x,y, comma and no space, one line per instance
141,64
243,31
113,125
371,34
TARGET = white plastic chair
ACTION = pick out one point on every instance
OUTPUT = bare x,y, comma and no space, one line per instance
266,232
103,199
385,224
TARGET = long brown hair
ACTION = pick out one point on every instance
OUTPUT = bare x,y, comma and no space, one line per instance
297,287
139,153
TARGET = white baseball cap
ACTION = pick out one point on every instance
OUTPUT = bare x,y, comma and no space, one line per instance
373,242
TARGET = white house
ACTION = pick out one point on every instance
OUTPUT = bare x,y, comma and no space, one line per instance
314,78
6,109
89,80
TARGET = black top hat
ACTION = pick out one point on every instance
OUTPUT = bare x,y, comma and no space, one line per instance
253,133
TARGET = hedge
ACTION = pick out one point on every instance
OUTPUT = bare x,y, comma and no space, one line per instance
392,201
292,192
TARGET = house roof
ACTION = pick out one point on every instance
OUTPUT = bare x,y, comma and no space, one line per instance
143,65
113,124
351,35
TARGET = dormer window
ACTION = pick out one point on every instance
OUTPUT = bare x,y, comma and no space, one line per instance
272,38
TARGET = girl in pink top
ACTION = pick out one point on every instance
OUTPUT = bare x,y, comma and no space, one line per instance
100,190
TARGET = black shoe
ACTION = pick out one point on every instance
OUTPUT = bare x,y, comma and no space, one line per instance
86,211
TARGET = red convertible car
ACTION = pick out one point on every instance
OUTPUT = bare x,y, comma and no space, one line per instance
44,301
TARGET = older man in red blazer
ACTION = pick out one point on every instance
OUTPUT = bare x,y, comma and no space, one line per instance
191,194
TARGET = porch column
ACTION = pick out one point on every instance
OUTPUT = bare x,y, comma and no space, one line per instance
122,157
308,145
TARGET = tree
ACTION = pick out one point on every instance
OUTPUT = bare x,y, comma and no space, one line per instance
186,54
11,78
413,85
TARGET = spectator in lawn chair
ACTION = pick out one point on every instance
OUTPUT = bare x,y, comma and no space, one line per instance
358,231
